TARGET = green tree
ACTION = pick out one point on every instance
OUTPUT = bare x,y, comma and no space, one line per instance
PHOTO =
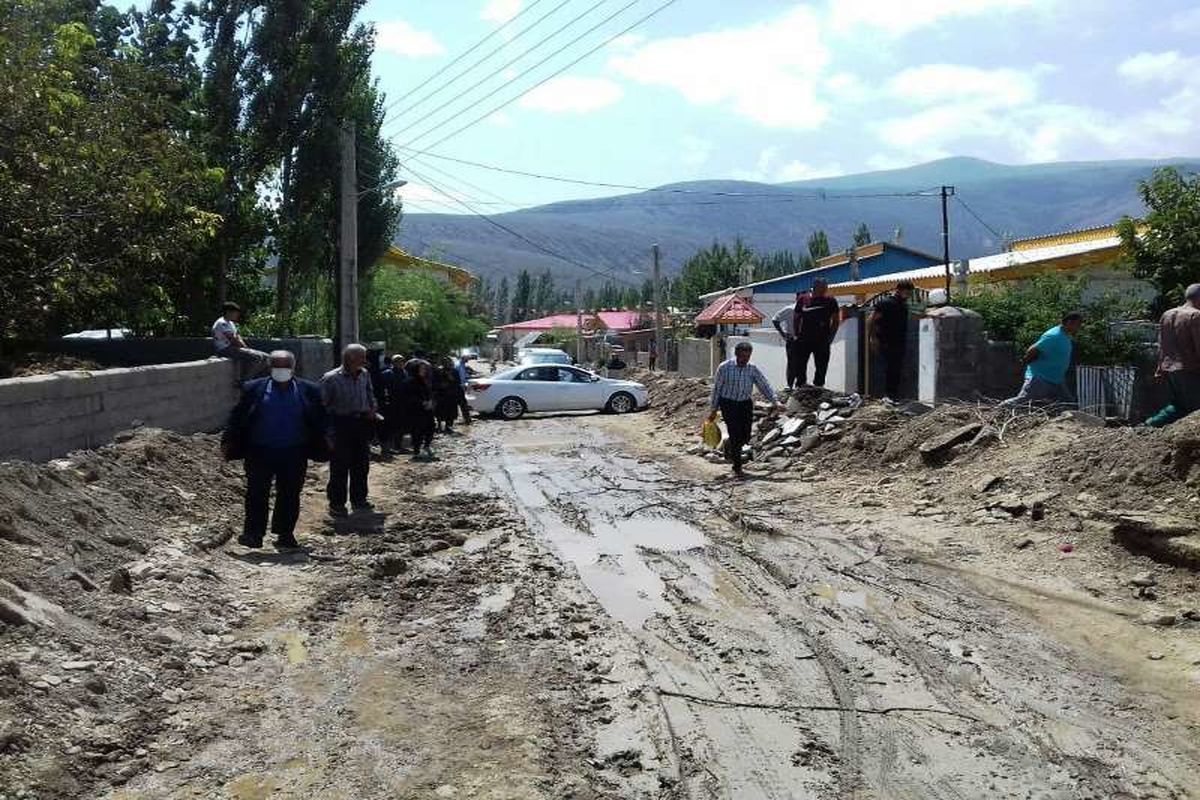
862,235
818,245
522,299
500,307
102,197
1021,312
1164,246
544,299
411,310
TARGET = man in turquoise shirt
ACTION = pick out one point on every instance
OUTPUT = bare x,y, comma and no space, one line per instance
1047,362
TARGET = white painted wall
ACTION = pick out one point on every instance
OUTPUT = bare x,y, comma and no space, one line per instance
843,359
927,361
770,354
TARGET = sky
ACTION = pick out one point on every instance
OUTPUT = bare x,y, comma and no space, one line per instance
773,90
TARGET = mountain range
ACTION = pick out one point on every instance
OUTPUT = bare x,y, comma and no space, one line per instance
613,235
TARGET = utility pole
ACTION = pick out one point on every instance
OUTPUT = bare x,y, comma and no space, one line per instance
578,321
658,304
947,193
347,294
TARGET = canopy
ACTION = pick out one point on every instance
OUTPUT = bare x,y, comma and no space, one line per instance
730,310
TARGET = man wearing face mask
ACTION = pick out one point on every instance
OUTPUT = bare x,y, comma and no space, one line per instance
277,426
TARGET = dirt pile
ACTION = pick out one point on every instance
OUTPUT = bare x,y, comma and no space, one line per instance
43,364
107,604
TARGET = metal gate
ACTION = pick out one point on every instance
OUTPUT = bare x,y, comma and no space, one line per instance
1106,391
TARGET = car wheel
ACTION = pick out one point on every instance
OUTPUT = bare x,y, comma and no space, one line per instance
621,403
511,408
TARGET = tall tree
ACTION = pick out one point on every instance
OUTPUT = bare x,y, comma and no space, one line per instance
544,300
522,298
818,245
500,307
862,235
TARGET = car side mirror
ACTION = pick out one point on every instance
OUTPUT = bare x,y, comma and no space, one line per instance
595,379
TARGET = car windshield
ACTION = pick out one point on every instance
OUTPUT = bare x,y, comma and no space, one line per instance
546,358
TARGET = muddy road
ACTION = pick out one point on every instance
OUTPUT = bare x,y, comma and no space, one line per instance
564,607
763,654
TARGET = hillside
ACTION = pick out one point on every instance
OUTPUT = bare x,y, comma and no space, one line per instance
615,233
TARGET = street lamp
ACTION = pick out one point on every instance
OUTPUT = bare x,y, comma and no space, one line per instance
385,187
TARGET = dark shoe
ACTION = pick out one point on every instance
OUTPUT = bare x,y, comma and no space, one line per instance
360,508
245,540
338,511
287,543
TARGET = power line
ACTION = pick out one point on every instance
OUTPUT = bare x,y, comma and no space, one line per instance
551,76
979,219
498,70
463,55
522,237
782,194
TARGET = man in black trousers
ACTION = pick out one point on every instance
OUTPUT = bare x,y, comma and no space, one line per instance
353,414
278,426
889,337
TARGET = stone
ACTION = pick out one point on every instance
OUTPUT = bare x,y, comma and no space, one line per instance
121,582
83,580
173,608
78,666
695,450
792,426
13,614
772,435
1154,655
936,449
809,439
1143,579
389,566
172,696
986,483
1024,544
95,685
1157,619
167,635
236,661
51,680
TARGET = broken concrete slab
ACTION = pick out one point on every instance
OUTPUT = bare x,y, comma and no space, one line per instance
936,449
986,483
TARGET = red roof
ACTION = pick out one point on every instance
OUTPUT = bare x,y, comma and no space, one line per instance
613,321
729,310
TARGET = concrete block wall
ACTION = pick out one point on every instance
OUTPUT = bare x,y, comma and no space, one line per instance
47,416
697,358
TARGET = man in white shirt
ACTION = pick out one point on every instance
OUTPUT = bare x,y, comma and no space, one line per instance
228,343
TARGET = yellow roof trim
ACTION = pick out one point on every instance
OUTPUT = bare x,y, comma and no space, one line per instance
401,259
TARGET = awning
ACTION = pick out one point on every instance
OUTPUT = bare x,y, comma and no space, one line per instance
730,310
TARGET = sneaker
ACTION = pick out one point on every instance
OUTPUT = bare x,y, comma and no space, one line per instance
287,543
245,540
338,511
429,455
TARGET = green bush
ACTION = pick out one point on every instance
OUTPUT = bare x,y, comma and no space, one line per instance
411,311
1021,312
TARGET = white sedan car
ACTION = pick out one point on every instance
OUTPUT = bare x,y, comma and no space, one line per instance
511,393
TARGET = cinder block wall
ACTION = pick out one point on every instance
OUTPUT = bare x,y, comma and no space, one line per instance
47,416
695,358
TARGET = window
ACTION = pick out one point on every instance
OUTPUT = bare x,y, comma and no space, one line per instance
539,374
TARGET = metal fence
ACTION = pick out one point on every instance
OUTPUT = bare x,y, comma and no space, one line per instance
1106,391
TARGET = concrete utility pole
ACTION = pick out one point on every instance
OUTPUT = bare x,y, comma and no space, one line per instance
578,321
658,304
347,316
947,193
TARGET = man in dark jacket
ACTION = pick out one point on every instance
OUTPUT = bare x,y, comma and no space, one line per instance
277,426
889,336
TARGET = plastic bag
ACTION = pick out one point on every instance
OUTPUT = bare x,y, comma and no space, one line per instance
711,434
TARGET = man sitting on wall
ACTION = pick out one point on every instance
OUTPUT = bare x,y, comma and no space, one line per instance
228,343
278,426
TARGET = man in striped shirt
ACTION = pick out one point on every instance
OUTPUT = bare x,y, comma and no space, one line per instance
733,386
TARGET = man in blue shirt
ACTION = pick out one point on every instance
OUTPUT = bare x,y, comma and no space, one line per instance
277,426
1047,362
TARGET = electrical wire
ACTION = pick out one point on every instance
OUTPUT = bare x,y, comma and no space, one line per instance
517,235
548,78
464,54
499,71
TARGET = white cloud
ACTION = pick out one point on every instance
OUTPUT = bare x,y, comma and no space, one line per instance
846,87
500,11
399,37
941,84
768,72
899,17
572,94
1165,67
694,151
801,171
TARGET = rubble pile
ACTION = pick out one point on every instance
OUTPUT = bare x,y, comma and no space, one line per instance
107,605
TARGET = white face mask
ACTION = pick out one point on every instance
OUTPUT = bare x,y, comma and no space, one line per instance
281,374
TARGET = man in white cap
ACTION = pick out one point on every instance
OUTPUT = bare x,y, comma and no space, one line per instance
1179,358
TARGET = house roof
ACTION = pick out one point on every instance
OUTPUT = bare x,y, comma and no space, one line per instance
729,310
610,320
863,253
404,260
1001,266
